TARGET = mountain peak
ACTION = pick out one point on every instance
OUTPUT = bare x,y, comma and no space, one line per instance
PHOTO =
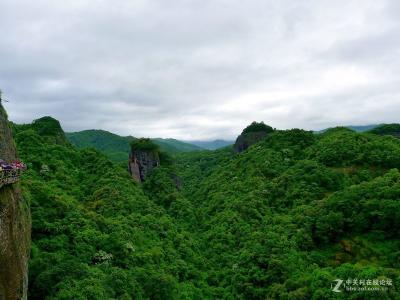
50,128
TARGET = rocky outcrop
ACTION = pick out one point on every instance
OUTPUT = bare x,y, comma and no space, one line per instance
15,226
141,163
143,158
245,140
252,134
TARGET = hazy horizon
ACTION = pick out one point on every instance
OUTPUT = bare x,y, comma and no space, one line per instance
200,70
209,140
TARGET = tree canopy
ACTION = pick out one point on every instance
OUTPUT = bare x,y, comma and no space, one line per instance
257,127
281,220
144,144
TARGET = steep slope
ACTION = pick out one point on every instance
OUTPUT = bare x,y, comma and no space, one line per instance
95,234
14,226
194,167
288,216
117,147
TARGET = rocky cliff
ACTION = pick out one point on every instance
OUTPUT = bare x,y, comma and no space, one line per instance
252,134
14,226
244,141
143,158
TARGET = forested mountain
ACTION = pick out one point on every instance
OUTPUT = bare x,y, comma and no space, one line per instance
362,128
293,213
173,146
359,128
387,129
116,147
211,145
280,220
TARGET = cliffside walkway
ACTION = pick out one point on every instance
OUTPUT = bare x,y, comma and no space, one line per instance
10,174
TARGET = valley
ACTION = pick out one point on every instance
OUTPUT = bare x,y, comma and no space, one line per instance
282,219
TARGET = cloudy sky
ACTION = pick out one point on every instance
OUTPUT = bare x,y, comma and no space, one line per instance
200,69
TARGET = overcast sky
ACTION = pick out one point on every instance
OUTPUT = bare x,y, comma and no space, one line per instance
200,69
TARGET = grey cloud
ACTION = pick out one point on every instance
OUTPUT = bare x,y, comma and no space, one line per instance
200,69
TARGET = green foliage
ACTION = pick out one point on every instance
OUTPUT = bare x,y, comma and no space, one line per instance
144,144
257,127
281,220
342,147
47,126
387,129
95,234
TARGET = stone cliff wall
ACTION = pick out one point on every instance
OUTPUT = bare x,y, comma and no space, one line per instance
141,163
245,140
14,226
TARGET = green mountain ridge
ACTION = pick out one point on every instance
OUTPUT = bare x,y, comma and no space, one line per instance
175,146
116,147
211,145
357,128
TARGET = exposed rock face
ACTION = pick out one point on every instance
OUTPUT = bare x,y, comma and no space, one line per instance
245,140
141,163
252,134
15,226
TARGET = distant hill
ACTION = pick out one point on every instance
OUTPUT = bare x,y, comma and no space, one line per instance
387,129
211,145
114,146
117,147
176,146
361,128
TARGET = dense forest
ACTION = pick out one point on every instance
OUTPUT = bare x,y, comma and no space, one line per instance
281,220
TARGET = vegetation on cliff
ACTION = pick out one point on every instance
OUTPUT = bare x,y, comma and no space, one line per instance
258,127
144,144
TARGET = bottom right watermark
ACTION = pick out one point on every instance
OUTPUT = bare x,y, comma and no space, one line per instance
361,285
